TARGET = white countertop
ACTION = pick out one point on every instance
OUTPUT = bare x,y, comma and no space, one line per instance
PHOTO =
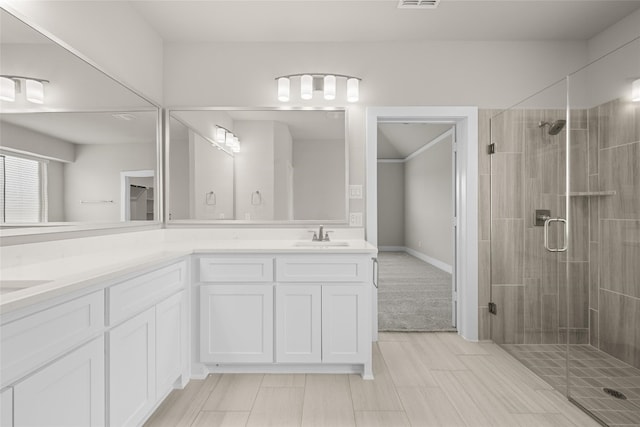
43,281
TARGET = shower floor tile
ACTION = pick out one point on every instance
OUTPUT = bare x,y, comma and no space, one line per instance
591,370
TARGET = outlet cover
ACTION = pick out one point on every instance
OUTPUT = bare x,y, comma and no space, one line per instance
355,219
355,191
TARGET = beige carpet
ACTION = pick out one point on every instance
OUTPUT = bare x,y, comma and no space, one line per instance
412,294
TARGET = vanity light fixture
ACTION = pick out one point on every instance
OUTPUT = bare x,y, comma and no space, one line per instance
635,90
7,89
228,140
10,85
220,135
318,82
223,136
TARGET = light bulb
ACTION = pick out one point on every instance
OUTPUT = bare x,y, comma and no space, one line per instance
229,139
635,91
220,135
353,89
329,87
306,87
35,91
284,86
7,89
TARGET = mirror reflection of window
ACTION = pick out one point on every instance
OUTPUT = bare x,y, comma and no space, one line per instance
23,195
88,128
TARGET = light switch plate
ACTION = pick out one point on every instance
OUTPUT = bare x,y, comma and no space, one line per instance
355,191
355,219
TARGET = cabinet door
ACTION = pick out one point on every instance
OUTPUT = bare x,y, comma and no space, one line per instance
236,323
298,323
69,392
6,408
132,370
169,342
345,324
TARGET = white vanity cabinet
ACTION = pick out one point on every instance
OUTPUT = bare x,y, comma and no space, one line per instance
345,324
236,323
298,323
68,392
236,309
132,387
171,341
145,350
285,312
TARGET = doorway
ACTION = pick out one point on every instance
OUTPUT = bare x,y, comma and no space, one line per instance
465,242
137,195
415,229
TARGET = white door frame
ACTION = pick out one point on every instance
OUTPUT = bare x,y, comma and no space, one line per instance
466,122
125,191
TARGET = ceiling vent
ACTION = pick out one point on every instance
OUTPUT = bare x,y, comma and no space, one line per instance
418,4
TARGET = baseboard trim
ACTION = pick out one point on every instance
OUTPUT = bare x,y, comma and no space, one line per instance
392,249
434,262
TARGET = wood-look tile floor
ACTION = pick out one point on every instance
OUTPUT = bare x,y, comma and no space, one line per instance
421,379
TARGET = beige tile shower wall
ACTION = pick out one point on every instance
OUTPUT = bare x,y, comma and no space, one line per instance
614,229
527,173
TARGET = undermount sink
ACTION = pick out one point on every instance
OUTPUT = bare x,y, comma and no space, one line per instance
321,244
7,286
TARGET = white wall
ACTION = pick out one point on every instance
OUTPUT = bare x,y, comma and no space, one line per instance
315,198
254,169
111,34
428,202
26,141
95,175
282,172
391,201
616,35
212,170
179,183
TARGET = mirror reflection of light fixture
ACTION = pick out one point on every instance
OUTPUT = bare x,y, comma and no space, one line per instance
229,139
7,89
10,85
224,137
318,82
635,90
220,135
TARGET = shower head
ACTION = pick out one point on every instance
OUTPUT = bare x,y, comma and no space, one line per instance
554,127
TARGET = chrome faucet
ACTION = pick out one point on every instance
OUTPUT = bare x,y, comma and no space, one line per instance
321,236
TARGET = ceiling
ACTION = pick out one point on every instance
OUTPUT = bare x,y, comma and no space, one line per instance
399,140
379,20
302,124
90,128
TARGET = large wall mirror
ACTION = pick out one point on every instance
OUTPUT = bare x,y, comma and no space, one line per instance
77,149
257,165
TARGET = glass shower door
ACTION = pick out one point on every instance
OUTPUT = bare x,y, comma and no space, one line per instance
602,264
526,193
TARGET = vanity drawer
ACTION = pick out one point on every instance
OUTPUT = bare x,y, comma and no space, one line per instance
323,268
236,269
30,342
134,295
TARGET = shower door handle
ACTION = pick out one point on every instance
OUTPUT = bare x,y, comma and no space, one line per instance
546,235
